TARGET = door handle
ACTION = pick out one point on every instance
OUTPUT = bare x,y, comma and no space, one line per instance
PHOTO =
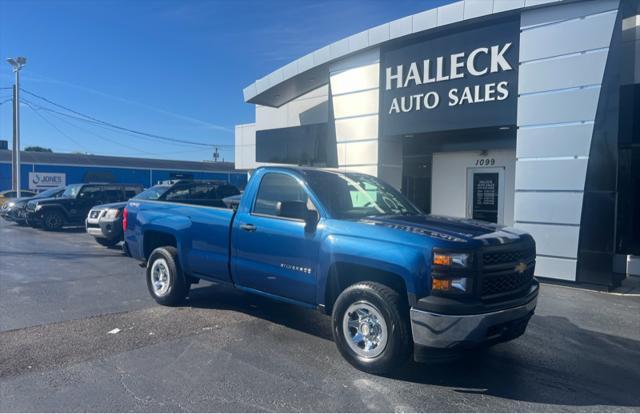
248,227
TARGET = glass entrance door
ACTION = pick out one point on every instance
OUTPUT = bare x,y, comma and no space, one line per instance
485,194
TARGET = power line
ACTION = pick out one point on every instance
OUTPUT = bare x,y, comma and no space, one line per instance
133,131
103,137
57,115
54,126
101,125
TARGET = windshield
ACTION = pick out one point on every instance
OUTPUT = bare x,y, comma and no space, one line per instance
49,193
353,196
153,193
72,191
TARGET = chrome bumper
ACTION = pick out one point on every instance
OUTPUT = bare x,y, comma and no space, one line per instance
449,331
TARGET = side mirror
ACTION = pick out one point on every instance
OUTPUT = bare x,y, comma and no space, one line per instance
311,220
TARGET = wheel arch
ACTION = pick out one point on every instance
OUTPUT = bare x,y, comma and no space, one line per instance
153,238
343,274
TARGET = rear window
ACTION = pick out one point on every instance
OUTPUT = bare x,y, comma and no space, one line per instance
152,193
200,193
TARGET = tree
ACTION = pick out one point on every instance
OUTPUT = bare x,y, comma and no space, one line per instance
38,149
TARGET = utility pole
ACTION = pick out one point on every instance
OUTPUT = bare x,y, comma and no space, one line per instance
17,64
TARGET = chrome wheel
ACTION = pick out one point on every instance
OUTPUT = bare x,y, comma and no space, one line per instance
365,329
160,280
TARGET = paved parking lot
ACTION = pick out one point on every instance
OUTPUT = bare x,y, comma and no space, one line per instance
61,293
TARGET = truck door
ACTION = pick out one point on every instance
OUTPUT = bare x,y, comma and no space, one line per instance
273,252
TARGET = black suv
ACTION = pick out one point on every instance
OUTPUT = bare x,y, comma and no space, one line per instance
73,206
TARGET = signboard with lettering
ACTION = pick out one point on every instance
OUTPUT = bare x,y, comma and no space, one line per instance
44,180
467,79
485,197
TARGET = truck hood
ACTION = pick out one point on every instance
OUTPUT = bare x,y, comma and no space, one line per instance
451,229
52,200
118,205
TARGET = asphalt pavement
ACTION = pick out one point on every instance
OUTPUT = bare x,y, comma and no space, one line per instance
61,294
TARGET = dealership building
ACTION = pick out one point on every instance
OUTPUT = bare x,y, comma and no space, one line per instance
42,170
520,112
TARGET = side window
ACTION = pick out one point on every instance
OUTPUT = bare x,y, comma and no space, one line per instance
89,192
281,195
227,190
111,193
203,191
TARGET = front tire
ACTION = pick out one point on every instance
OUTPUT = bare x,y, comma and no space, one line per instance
165,280
371,327
52,220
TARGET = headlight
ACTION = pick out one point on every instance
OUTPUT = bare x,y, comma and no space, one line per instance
10,204
38,207
452,272
452,259
112,213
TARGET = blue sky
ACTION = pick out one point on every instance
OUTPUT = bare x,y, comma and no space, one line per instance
171,68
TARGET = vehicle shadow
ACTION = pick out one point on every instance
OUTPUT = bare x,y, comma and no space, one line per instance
555,362
73,229
292,316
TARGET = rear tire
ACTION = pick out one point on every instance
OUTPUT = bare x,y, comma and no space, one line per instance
371,327
52,220
165,281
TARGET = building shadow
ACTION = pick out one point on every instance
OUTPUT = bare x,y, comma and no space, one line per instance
556,361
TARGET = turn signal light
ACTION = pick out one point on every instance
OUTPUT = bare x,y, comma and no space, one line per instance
440,284
457,285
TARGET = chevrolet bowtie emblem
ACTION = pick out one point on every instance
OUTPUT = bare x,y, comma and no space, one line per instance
521,267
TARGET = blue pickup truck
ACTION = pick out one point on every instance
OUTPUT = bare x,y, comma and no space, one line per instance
394,280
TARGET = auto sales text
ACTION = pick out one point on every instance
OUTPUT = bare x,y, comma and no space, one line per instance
456,66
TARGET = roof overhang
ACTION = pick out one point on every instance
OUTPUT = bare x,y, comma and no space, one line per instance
312,71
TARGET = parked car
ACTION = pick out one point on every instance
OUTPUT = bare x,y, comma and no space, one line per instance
104,222
16,210
11,194
74,204
393,279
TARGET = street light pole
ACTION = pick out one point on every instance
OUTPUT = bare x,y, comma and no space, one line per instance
16,64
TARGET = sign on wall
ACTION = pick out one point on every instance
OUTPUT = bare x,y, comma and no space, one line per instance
467,79
41,181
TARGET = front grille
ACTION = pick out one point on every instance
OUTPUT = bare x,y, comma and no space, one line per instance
506,270
505,283
513,256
